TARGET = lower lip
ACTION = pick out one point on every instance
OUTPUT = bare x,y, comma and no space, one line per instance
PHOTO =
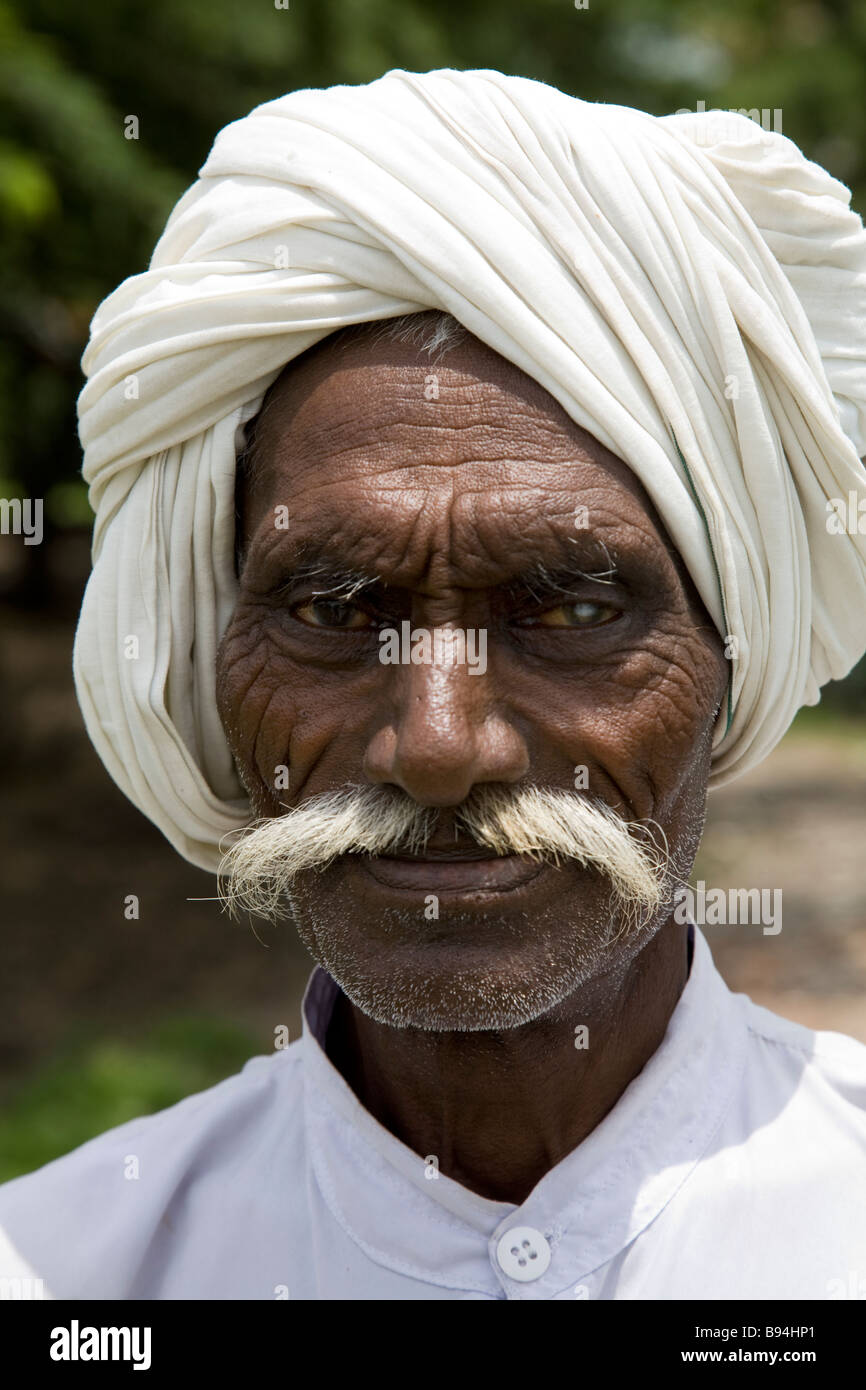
453,875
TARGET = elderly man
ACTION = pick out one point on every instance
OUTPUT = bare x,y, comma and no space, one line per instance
462,468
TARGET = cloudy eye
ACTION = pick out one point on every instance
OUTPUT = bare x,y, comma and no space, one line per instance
332,612
584,613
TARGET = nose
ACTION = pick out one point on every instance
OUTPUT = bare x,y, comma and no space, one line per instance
445,736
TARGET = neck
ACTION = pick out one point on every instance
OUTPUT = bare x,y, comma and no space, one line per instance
499,1110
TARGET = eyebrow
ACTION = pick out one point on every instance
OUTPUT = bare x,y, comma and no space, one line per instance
539,580
335,582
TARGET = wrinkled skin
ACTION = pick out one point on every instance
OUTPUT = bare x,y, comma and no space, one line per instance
448,501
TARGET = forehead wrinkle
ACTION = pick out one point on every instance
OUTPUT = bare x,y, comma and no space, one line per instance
479,422
370,470
345,548
475,534
327,399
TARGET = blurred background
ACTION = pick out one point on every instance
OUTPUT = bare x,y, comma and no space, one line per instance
104,1018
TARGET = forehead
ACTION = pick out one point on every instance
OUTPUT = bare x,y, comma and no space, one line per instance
373,447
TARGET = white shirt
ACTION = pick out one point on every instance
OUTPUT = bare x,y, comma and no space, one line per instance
733,1166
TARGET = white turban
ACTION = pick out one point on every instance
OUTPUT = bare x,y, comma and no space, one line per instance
690,288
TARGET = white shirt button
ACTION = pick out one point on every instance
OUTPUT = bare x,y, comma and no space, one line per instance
523,1253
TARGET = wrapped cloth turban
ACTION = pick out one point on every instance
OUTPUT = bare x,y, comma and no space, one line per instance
690,288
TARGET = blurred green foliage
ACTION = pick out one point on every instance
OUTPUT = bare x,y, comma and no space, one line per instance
81,205
97,1086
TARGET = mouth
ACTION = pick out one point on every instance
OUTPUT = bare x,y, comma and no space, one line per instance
452,871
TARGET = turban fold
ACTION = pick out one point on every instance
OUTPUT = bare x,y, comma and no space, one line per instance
690,288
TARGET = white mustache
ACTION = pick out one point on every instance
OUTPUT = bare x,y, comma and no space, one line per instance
549,826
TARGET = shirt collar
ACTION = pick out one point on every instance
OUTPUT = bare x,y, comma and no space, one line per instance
590,1206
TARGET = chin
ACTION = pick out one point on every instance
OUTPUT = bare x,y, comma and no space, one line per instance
478,967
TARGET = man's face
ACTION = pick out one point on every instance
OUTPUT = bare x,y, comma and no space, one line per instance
471,501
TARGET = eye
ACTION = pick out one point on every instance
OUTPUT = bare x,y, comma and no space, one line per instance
333,613
582,614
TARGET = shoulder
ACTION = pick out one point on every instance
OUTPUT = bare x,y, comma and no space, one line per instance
800,1107
776,1200
86,1222
821,1058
